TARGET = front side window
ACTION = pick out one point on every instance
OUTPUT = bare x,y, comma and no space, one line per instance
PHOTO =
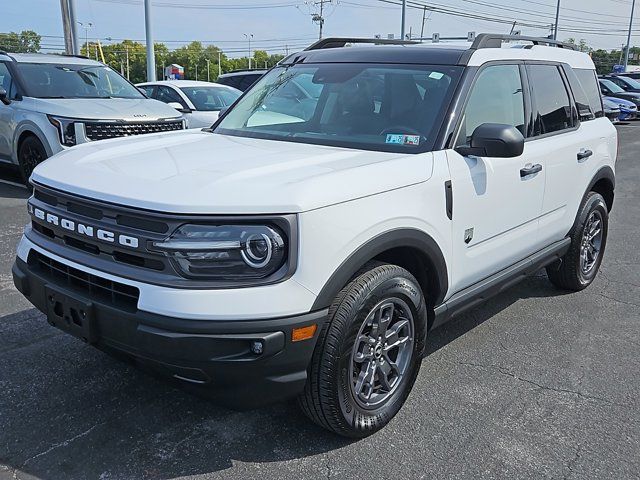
375,107
48,80
210,99
169,95
496,97
7,82
554,112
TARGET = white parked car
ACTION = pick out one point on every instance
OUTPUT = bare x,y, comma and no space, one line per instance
52,102
200,102
309,251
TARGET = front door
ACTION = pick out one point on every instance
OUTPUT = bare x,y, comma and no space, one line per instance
496,201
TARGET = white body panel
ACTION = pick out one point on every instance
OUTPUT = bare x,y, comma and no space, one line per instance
200,172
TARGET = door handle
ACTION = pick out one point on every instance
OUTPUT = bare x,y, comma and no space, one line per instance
584,154
530,170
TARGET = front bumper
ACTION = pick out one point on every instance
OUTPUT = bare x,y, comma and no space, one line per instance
213,357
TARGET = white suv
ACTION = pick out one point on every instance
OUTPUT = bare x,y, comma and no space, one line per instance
49,103
307,248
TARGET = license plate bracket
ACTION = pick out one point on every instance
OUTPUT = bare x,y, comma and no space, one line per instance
71,314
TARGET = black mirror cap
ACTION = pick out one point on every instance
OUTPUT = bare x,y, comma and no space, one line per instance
494,140
3,96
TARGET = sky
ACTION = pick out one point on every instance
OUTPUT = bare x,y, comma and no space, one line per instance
277,25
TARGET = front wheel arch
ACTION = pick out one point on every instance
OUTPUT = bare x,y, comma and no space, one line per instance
409,248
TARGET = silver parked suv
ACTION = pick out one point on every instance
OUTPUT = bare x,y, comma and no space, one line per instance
52,102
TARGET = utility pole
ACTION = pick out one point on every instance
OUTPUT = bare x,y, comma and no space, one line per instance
626,55
219,63
555,29
126,49
151,54
249,36
66,28
87,26
404,14
424,17
208,62
196,71
319,17
71,4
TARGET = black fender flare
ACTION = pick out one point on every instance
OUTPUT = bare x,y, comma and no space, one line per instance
404,237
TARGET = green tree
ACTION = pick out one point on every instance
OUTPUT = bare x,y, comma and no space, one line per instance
26,41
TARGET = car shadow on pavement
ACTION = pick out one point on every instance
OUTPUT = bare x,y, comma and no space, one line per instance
70,411
11,185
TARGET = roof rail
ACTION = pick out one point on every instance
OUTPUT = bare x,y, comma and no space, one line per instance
337,42
492,40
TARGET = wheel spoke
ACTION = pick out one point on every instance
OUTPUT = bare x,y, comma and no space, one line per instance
393,333
385,373
365,381
386,315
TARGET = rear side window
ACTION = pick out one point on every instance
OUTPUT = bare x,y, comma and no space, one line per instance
496,97
579,95
554,112
589,83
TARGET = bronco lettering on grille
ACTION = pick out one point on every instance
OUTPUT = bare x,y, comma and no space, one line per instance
84,229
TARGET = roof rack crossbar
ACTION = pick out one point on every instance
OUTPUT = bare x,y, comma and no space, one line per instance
490,40
337,42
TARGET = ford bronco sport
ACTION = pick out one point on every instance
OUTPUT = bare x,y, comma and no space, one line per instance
307,248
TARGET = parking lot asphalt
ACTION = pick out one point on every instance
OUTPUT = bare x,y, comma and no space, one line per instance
536,383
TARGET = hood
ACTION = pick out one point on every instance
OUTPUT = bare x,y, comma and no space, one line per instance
616,102
199,172
128,109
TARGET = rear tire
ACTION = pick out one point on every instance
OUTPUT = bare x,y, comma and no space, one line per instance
368,354
30,154
580,264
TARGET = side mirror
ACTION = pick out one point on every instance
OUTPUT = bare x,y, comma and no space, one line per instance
3,96
494,140
179,107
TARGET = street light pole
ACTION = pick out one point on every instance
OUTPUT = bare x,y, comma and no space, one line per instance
404,14
219,63
87,26
626,56
249,36
208,62
151,54
555,29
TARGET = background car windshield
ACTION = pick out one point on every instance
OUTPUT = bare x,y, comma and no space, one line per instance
631,82
211,99
612,86
45,80
375,107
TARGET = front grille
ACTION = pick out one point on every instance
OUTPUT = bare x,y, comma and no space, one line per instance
104,130
92,286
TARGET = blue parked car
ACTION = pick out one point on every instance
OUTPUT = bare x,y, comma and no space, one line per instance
628,110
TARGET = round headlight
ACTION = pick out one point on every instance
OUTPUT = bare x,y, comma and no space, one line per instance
257,250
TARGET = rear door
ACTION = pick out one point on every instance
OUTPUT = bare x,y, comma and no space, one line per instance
562,144
495,205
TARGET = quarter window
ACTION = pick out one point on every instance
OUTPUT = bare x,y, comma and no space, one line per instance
589,83
554,112
496,97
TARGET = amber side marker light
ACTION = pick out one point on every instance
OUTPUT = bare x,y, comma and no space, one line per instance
303,333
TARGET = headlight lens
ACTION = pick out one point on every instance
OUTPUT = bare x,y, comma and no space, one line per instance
226,252
66,129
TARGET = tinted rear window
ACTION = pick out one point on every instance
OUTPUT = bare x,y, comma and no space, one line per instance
589,83
551,98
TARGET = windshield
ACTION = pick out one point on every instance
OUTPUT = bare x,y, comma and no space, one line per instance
47,80
211,99
612,86
631,82
396,108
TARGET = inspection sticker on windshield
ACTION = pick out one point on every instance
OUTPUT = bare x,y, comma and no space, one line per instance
399,139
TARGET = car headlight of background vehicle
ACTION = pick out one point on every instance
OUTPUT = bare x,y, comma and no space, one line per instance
226,253
66,129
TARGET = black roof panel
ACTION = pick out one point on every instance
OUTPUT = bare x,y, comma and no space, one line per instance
401,54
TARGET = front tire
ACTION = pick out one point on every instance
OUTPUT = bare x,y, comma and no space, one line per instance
579,266
30,154
368,354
